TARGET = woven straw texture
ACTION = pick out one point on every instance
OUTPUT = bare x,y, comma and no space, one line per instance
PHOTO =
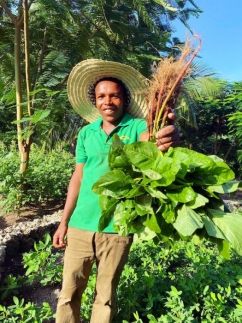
90,71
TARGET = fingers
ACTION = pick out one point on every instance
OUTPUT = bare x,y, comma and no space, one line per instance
171,118
58,242
59,237
166,146
168,131
167,137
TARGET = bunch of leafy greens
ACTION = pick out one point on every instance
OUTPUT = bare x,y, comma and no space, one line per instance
168,196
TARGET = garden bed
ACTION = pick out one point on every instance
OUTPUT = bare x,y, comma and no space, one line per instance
30,228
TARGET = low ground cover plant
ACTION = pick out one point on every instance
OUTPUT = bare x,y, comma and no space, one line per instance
43,267
185,283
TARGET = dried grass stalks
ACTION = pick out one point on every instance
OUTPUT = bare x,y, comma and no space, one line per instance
165,85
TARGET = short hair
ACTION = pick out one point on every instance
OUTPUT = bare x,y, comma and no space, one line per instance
126,92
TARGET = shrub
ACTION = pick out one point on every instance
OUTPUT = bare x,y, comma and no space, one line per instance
46,178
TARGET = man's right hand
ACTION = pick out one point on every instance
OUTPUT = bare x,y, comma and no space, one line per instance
59,236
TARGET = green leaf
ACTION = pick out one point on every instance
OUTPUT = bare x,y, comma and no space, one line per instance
108,206
212,229
228,187
187,221
116,156
142,154
199,201
168,213
123,215
222,173
144,234
192,158
115,183
16,300
182,195
223,248
143,205
230,225
167,168
156,193
152,224
135,192
152,174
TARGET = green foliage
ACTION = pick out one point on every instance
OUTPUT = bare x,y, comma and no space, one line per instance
46,178
235,126
10,286
42,264
62,34
169,196
185,283
25,312
42,270
217,116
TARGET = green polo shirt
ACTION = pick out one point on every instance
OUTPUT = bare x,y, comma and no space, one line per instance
93,145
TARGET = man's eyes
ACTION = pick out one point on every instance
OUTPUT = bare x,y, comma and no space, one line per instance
116,96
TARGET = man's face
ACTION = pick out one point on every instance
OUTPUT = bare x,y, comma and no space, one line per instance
109,98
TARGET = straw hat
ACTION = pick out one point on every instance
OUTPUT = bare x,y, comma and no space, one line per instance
88,72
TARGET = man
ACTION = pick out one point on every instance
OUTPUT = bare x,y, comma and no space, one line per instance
113,91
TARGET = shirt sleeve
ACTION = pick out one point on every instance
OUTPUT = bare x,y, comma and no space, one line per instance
81,156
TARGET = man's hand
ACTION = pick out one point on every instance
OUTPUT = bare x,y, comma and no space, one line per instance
167,137
59,236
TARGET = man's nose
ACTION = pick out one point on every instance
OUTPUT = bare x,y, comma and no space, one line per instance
108,99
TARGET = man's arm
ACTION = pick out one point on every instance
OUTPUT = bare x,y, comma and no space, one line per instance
72,195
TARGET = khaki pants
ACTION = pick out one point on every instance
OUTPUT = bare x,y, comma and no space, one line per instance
110,252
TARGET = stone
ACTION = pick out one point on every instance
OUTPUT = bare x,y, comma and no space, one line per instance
21,237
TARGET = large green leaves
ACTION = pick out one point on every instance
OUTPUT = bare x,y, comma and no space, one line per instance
142,154
230,225
188,221
115,183
168,195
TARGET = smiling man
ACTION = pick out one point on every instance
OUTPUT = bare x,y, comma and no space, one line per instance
110,96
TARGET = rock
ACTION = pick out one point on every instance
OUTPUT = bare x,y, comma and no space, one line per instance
22,236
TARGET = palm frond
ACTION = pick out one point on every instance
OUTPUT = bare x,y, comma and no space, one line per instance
203,87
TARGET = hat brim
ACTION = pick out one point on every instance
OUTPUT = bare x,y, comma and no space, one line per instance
88,72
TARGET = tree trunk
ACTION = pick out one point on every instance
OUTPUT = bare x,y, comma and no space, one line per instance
23,145
23,150
26,143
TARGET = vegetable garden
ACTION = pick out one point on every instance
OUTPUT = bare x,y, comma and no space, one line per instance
168,278
185,283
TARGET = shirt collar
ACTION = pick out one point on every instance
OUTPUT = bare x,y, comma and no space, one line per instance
126,120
